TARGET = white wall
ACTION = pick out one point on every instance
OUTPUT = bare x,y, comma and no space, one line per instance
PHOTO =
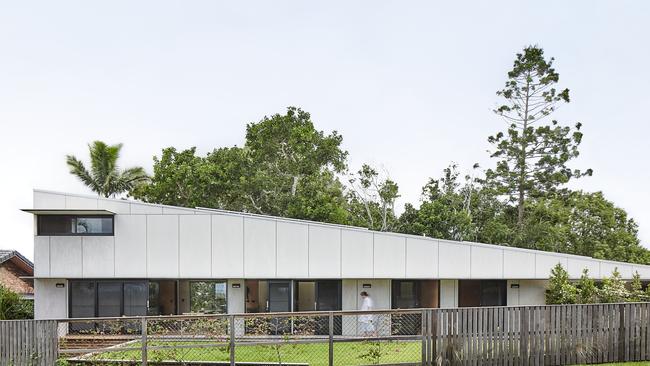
448,293
50,302
155,241
530,292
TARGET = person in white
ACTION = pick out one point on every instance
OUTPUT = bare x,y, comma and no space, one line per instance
366,322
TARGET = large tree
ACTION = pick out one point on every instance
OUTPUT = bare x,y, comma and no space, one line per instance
371,199
104,177
286,168
458,209
533,152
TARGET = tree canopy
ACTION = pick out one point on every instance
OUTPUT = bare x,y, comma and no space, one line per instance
288,167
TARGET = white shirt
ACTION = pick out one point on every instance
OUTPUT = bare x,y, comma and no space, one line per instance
367,304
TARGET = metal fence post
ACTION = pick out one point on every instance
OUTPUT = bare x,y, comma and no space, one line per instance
331,339
232,340
144,341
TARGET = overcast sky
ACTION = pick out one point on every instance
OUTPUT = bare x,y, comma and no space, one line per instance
410,85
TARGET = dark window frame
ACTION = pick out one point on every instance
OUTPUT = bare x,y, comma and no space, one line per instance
39,231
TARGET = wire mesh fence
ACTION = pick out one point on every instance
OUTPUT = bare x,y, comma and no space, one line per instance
311,338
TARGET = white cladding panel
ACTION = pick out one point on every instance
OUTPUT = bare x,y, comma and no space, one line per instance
454,259
259,248
379,292
42,256
98,256
236,297
227,246
140,209
162,246
607,268
518,264
390,256
118,207
72,202
529,292
544,263
45,200
644,271
65,256
195,246
421,258
448,293
324,252
50,302
487,262
293,250
356,254
130,246
576,265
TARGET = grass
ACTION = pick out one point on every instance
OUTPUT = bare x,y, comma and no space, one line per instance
314,354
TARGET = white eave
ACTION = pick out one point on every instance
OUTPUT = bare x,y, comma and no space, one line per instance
68,211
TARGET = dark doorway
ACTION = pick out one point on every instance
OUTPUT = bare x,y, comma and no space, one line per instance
412,294
321,295
474,293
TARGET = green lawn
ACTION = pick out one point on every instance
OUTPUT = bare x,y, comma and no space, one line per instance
314,354
640,363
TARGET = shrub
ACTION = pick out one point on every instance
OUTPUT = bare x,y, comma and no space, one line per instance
13,307
587,290
613,289
560,289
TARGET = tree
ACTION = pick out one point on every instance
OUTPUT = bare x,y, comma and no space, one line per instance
371,199
104,176
456,210
286,168
181,178
613,289
599,229
13,307
587,290
560,290
636,293
532,155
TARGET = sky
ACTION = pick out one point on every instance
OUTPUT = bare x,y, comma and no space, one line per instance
410,85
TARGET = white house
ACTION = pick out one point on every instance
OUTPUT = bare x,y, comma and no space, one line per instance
111,257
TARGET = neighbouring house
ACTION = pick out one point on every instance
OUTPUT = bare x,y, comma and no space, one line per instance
98,257
16,273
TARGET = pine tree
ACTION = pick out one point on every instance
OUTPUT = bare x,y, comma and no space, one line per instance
636,289
587,290
613,289
560,289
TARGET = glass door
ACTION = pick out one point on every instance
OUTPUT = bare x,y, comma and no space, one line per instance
279,296
328,298
279,300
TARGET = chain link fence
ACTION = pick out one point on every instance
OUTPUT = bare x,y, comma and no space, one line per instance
309,338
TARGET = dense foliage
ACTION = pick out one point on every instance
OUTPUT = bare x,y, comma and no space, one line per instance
104,176
12,306
287,167
612,289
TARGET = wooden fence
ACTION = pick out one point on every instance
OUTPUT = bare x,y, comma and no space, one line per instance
538,335
28,342
527,335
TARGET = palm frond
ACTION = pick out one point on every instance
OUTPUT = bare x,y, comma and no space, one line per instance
78,169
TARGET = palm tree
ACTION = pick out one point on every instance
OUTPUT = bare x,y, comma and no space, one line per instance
104,176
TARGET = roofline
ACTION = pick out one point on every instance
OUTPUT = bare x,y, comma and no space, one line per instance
16,254
349,227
